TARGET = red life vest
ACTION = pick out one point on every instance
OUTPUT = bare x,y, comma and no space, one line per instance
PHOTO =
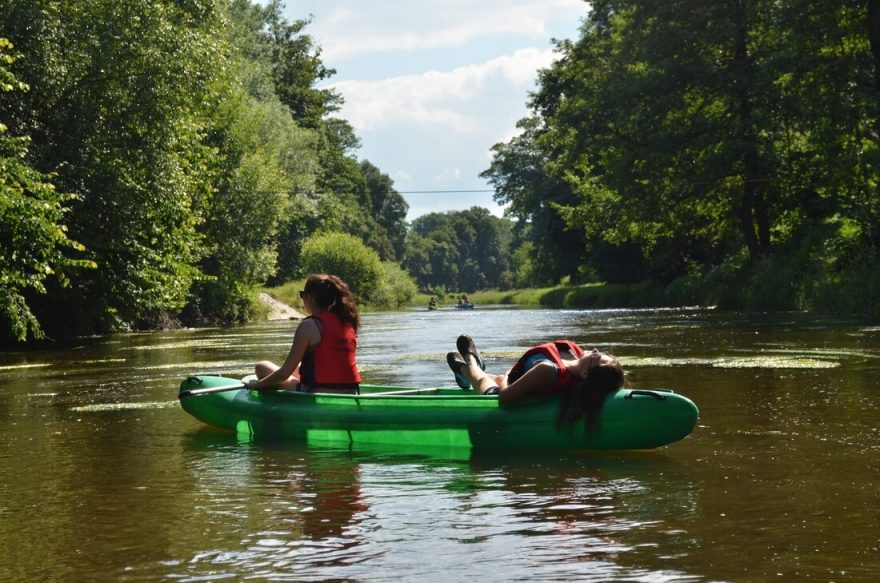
331,363
564,378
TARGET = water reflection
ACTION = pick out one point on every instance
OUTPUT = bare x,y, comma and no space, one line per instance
295,509
306,513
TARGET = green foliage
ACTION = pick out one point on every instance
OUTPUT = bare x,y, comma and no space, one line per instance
418,261
120,103
345,256
641,295
728,152
297,68
689,163
826,271
706,145
465,250
584,296
387,210
198,151
266,157
853,288
523,297
34,245
535,196
396,288
522,265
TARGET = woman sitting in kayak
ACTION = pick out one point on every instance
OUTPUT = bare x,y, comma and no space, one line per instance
582,378
322,358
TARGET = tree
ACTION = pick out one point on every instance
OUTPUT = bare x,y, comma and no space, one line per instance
396,288
831,93
34,245
523,180
120,105
347,257
465,250
198,152
265,161
691,162
417,260
386,206
297,69
688,135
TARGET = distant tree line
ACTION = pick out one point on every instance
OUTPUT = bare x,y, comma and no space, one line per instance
460,251
160,159
730,149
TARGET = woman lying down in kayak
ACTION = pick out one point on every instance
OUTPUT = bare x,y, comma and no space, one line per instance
584,379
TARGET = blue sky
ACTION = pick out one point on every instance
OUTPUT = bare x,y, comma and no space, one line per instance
430,86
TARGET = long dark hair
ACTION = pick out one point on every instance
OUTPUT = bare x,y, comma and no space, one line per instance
584,399
332,294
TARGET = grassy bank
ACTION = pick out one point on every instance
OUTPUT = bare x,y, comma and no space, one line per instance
806,279
593,295
809,286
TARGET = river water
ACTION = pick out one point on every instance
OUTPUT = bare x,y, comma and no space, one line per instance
105,478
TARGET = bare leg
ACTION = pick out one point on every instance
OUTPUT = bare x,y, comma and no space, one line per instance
265,367
481,380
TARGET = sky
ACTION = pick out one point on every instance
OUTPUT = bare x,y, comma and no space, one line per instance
431,85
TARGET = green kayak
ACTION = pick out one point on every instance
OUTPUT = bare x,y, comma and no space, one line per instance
447,417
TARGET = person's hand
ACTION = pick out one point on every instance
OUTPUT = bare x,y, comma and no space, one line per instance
251,383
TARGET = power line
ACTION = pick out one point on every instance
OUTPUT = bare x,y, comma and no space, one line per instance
442,191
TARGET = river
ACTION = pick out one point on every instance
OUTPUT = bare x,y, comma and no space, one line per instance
105,478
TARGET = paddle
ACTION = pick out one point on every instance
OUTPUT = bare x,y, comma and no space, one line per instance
209,390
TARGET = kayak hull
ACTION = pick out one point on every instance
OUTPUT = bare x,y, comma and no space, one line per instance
444,417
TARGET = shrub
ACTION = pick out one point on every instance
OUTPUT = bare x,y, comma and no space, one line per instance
396,289
347,257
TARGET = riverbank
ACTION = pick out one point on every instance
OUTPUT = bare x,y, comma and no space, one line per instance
769,288
592,295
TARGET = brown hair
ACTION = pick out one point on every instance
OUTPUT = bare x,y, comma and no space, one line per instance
585,398
332,294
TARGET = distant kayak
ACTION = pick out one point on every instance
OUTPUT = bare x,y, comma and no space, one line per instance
464,306
630,418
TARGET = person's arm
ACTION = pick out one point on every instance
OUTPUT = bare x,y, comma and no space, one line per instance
306,335
539,376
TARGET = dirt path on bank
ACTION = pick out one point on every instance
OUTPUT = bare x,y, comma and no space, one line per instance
279,310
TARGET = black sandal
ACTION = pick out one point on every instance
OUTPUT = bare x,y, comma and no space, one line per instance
458,366
465,345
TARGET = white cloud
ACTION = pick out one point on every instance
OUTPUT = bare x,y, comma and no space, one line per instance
448,174
431,85
439,98
394,26
402,176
